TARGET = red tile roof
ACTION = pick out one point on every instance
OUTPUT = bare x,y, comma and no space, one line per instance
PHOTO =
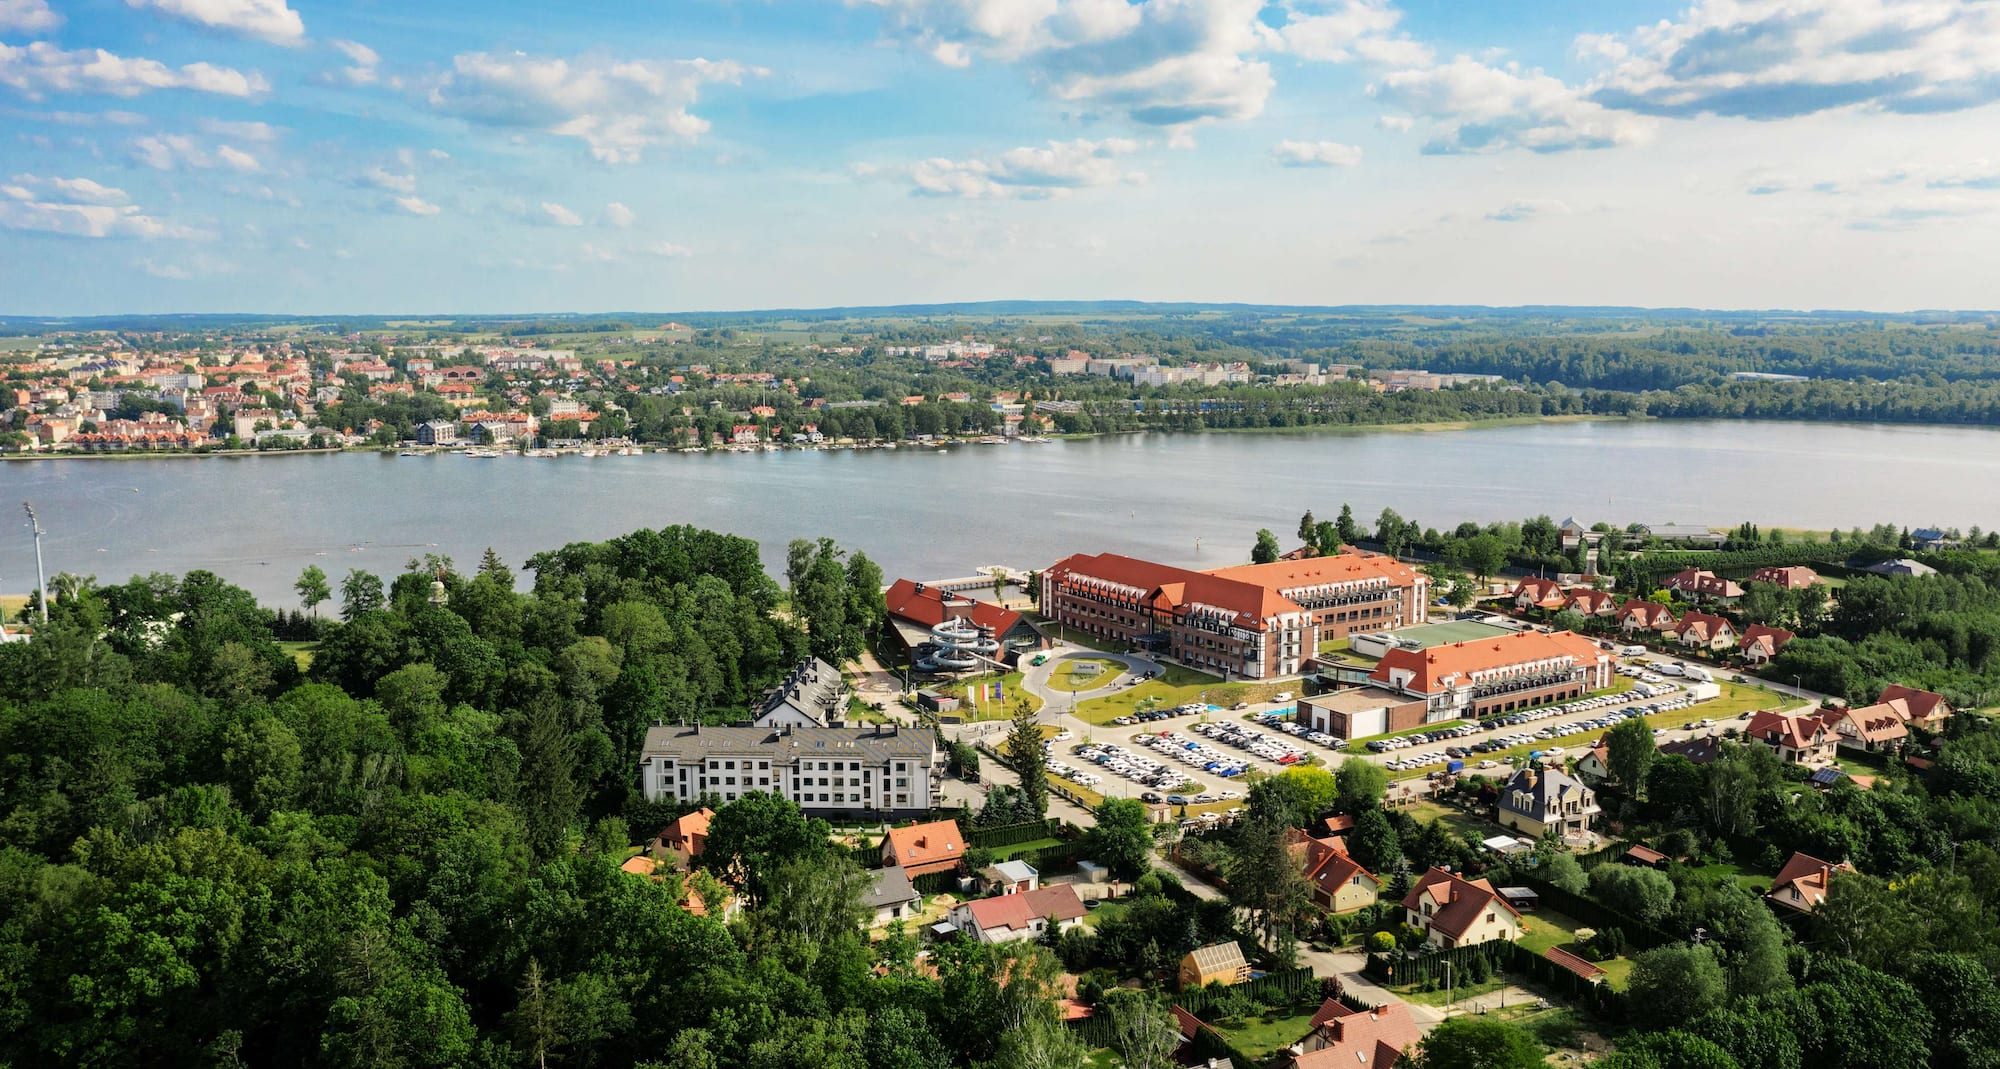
1020,910
1920,704
1577,965
1809,874
1650,613
689,832
1360,1039
924,848
1871,723
1706,627
1796,732
1797,578
1768,639
1459,901
1251,594
1441,667
930,606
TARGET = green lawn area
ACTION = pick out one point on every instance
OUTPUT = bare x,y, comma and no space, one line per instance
1084,673
1548,928
1083,795
1746,877
1010,689
302,652
1454,995
1105,911
1008,853
1071,635
1176,686
1360,746
1457,821
1260,1036
1103,1058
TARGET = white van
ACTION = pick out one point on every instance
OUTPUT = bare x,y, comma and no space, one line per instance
1631,651
1699,675
1668,668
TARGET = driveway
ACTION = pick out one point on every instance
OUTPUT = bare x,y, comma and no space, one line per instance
1035,680
1348,968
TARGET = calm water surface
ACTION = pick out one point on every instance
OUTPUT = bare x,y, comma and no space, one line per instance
1189,499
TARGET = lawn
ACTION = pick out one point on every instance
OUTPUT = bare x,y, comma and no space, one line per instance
1458,821
1104,645
302,652
1176,686
1548,928
1746,877
1261,1036
1106,910
1084,673
1103,1058
1009,853
1078,793
1360,746
1011,691
1455,995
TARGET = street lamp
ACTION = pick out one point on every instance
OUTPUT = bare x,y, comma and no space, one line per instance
41,577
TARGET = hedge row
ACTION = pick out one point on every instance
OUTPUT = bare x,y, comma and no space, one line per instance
1280,988
1638,934
998,835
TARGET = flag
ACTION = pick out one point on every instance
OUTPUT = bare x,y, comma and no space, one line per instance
999,692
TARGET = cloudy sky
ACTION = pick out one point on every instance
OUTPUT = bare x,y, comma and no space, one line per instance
462,156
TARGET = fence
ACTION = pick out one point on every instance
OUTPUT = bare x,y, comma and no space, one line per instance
1280,988
1009,834
1638,934
1399,968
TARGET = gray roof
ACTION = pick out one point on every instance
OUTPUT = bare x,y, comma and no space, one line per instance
873,743
892,885
1016,871
1547,789
1679,530
813,688
1905,566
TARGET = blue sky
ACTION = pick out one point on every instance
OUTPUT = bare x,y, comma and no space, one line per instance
295,156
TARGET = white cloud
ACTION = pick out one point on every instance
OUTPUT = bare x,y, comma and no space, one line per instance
1349,30
78,207
389,180
28,16
237,159
619,108
165,152
1519,210
268,20
599,254
1157,62
1473,107
362,62
1396,124
241,131
40,67
560,215
176,272
1770,59
618,215
1028,173
1316,154
416,205
669,250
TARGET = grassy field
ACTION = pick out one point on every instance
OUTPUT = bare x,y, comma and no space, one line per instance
1010,689
1548,928
1069,634
1103,1058
1073,675
302,652
1457,821
1176,686
1261,1036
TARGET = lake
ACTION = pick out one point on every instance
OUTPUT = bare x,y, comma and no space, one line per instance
1195,500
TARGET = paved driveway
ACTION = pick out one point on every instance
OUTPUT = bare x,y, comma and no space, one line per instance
1035,679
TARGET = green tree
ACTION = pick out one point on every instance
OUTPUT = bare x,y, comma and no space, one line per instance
1345,528
1373,842
750,838
1122,837
1563,871
360,593
1267,549
1477,1043
1309,531
1629,753
1041,1042
1361,785
312,588
548,791
1142,1030
1673,984
1028,758
1646,894
1673,1049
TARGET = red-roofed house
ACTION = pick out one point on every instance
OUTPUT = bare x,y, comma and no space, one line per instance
688,833
1496,675
1533,593
1346,1038
1339,883
1802,883
1705,631
1454,911
1022,916
1645,616
1800,740
1703,585
1867,727
1591,603
1762,643
1920,707
1797,578
924,848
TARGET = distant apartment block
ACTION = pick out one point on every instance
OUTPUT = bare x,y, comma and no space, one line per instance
880,770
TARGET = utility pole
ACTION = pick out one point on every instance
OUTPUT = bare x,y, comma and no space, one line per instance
41,577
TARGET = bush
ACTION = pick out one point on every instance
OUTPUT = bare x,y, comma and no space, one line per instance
1382,942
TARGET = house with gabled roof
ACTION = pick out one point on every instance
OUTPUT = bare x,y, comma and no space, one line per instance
1339,883
921,849
1920,707
1872,728
1023,916
1453,911
1797,577
1588,602
1638,615
1494,675
1797,739
1801,885
1542,800
1761,643
1701,584
1343,1037
688,833
811,695
1705,631
1536,593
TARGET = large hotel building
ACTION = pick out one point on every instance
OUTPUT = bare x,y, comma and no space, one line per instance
1254,621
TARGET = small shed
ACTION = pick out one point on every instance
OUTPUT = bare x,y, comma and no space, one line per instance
1644,856
1092,872
932,701
1221,963
1521,898
941,931
1507,844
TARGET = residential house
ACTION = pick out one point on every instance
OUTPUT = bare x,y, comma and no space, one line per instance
811,695
1339,883
1537,801
916,609
1702,749
1801,885
1761,643
1014,877
688,833
1795,578
1685,533
1903,568
1573,533
1343,1037
1705,631
1453,911
921,849
1933,539
1218,963
1594,765
1699,584
744,434
1022,916
1872,728
1800,739
1638,615
1919,707
1534,593
891,896
1587,602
